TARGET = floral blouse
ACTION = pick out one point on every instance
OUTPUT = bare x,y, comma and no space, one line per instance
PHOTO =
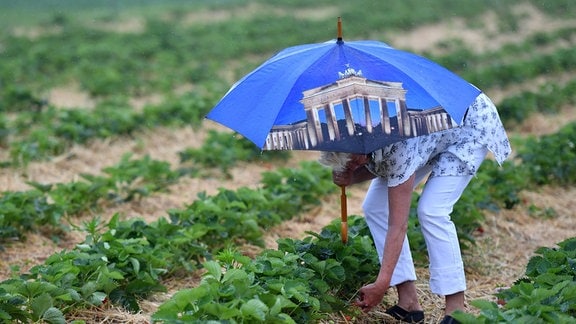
449,152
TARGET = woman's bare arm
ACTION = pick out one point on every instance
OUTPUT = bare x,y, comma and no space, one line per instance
399,198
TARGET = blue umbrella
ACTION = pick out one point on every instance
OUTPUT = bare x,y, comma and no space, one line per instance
339,96
351,97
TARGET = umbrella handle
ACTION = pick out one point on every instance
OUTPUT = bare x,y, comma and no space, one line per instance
343,215
339,29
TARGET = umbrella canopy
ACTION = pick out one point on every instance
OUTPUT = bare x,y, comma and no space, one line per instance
339,96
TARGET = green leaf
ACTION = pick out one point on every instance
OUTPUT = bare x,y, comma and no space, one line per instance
187,296
483,304
135,265
280,303
40,304
73,294
254,308
67,297
84,247
220,311
213,269
335,271
465,317
277,306
54,315
233,275
31,289
97,298
115,275
4,315
297,289
88,288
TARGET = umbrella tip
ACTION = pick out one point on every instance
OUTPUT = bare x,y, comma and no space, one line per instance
340,30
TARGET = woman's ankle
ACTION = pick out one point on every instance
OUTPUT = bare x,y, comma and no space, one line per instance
454,302
408,296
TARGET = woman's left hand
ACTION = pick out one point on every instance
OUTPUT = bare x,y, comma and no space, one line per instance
371,296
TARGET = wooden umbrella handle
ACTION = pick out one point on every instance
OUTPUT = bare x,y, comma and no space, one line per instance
343,215
339,29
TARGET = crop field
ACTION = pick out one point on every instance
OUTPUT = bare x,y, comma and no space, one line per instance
121,203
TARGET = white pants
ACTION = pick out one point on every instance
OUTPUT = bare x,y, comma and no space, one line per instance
434,207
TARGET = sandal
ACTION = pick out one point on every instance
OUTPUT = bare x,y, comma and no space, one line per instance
403,315
449,320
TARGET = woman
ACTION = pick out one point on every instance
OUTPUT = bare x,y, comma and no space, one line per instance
447,160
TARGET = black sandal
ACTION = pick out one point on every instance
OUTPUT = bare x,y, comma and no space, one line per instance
403,315
449,320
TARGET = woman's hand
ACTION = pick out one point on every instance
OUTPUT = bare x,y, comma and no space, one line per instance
344,178
347,176
357,160
371,296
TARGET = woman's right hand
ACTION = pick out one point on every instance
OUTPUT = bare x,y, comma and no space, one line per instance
349,176
342,178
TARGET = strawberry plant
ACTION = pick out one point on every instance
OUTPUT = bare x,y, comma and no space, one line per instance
105,267
188,109
181,245
233,296
340,268
550,158
4,131
298,283
40,144
40,135
30,301
549,99
239,215
19,98
305,186
226,217
77,196
124,261
547,293
111,117
505,73
138,178
503,184
47,204
21,212
226,150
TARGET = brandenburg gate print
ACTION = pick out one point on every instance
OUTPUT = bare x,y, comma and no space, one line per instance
356,111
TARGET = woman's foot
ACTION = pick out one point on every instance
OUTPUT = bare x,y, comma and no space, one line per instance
403,315
449,320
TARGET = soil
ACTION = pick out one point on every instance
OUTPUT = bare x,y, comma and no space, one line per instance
498,259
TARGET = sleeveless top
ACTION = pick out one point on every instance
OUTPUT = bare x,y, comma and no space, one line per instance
449,152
